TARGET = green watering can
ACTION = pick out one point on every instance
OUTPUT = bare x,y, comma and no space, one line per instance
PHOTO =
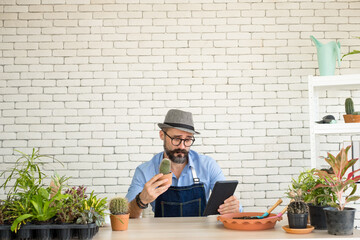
327,55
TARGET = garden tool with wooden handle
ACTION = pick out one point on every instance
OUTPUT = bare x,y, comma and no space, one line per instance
269,211
280,213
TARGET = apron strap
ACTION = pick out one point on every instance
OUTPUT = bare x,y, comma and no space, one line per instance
195,178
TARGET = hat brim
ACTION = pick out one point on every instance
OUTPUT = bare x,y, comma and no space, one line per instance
162,125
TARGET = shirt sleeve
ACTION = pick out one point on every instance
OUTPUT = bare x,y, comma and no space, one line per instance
137,184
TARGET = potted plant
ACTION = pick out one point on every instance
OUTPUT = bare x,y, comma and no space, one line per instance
316,199
340,219
297,211
119,216
351,116
165,168
35,211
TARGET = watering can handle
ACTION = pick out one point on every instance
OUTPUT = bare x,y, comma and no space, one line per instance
274,206
338,52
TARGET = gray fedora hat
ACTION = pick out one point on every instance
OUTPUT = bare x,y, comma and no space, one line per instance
180,120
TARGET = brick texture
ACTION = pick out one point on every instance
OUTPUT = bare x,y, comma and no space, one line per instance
87,81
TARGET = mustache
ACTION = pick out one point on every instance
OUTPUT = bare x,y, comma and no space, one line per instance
179,151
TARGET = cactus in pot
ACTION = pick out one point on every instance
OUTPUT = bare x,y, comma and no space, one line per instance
298,210
349,106
351,116
118,207
165,168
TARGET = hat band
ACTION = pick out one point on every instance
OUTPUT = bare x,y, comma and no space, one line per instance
180,125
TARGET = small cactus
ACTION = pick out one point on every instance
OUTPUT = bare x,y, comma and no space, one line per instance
165,166
297,207
349,106
356,113
118,206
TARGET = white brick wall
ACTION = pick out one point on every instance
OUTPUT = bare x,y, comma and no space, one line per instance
87,81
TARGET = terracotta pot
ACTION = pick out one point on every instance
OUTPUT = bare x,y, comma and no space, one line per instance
248,224
348,118
117,225
168,177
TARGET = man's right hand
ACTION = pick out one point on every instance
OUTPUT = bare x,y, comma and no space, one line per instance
152,190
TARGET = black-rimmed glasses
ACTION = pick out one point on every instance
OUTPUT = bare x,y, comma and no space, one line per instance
177,141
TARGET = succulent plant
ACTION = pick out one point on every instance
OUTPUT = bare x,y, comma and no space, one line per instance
297,207
349,106
118,206
356,113
165,166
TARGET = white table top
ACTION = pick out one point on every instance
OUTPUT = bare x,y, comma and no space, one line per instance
203,228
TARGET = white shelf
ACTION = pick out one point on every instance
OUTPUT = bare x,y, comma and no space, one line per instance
340,81
316,86
337,128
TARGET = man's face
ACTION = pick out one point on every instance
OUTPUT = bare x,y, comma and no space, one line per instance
177,154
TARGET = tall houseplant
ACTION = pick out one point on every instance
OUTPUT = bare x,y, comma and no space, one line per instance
340,219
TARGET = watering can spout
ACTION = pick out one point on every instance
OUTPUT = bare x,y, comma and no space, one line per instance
316,42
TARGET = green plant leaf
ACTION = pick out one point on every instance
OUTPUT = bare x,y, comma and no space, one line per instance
350,53
352,198
16,224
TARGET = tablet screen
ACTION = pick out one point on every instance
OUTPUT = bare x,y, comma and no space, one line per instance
222,190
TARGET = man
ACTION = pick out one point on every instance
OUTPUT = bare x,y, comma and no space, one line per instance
194,175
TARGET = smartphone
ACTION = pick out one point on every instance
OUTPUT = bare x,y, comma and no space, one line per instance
222,190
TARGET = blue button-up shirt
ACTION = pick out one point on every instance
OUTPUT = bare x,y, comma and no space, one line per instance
207,170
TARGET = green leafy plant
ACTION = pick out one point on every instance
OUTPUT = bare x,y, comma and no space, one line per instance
351,53
70,208
28,181
165,166
27,172
99,206
42,209
306,182
28,200
4,212
337,181
90,216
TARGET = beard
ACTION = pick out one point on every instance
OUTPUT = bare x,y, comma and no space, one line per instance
178,156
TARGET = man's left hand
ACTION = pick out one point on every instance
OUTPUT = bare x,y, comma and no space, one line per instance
230,205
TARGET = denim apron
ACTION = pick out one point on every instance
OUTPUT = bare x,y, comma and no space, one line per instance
187,201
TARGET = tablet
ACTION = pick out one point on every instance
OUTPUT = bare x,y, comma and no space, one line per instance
221,191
